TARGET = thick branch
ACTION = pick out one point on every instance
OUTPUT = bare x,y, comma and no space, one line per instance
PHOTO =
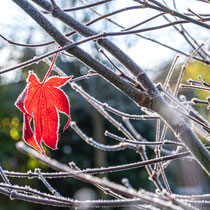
132,92
106,43
153,101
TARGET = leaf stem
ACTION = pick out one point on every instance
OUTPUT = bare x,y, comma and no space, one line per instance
49,70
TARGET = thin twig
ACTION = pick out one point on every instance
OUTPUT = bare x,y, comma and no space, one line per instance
46,183
143,22
195,87
176,90
165,142
87,6
96,144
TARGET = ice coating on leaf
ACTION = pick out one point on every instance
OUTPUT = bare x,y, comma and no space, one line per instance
21,100
28,134
43,101
57,81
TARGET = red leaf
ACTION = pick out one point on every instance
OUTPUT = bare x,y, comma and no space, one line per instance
42,101
28,134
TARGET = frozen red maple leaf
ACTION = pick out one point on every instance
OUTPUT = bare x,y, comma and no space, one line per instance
41,102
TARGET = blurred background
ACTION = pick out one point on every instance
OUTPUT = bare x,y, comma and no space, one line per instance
184,178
